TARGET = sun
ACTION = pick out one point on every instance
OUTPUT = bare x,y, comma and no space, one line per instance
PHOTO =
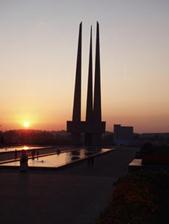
26,124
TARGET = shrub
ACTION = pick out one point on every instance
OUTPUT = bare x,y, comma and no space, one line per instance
139,198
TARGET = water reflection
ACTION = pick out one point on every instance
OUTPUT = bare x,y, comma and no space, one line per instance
25,147
58,159
80,154
19,148
52,160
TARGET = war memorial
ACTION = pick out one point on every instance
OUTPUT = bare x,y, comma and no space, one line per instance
93,127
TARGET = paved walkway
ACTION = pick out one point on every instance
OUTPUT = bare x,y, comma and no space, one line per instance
74,196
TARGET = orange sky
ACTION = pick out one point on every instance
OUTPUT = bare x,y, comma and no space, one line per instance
38,45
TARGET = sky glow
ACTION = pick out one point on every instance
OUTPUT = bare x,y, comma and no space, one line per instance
38,46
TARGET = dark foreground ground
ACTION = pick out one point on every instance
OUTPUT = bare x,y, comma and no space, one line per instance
75,195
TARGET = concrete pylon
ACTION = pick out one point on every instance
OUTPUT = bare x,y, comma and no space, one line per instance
89,131
97,85
77,93
89,107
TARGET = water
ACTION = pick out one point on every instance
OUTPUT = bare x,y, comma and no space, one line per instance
58,160
136,162
20,148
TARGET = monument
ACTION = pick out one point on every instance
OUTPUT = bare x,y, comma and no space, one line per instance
93,127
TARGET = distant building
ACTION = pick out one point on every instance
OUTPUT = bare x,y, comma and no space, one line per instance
123,135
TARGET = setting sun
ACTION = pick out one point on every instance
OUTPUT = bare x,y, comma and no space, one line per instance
26,124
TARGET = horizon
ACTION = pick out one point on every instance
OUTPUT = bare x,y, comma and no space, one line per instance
64,130
38,59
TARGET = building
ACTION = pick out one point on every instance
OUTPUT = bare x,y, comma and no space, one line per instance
93,127
123,135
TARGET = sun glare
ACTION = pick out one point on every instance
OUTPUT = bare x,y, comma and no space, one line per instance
26,124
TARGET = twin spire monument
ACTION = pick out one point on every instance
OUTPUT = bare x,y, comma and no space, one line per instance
93,127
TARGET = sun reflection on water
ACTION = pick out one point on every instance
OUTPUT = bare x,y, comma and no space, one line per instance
25,147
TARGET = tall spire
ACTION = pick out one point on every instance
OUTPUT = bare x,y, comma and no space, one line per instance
77,93
97,87
93,128
89,108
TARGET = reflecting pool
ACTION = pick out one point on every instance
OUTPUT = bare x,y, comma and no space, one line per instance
19,148
59,159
